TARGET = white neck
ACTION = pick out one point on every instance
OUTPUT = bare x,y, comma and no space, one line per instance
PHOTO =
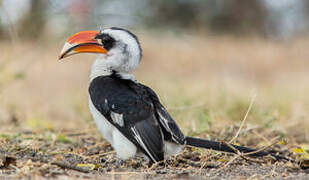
101,67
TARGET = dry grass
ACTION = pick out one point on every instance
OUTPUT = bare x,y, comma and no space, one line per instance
205,82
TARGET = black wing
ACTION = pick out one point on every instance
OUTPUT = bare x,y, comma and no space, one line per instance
111,95
170,129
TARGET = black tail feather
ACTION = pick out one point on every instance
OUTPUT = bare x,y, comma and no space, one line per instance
218,146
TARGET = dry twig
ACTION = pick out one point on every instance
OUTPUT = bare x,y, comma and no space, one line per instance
244,119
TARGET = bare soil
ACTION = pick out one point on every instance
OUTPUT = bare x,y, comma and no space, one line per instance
86,155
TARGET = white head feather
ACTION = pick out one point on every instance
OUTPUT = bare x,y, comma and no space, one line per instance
124,57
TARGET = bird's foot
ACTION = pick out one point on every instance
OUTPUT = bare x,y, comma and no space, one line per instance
119,163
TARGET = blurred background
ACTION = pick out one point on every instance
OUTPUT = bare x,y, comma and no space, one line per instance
206,59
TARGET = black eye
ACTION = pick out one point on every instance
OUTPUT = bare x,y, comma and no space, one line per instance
107,41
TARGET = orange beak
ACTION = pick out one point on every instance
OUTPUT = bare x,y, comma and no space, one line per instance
82,42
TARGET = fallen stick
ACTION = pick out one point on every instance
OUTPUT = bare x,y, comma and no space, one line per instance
67,165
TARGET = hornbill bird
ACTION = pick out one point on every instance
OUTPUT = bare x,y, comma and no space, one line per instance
129,114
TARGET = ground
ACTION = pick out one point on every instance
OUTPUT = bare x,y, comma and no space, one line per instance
210,85
85,155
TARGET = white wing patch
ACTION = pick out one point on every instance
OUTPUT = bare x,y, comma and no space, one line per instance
165,121
140,141
117,118
165,124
